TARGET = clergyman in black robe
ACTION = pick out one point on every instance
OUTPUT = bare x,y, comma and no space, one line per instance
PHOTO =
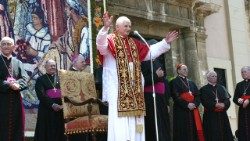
50,121
184,127
216,101
241,98
13,79
162,94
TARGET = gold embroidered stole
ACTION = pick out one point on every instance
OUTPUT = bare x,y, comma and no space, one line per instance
130,97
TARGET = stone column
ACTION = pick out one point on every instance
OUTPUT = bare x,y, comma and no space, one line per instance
202,56
191,55
195,42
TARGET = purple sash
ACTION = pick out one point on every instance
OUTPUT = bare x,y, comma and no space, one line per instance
54,93
159,88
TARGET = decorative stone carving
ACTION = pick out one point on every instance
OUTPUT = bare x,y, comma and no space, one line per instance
188,2
201,10
166,11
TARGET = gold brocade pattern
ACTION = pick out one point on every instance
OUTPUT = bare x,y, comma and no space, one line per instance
130,97
78,86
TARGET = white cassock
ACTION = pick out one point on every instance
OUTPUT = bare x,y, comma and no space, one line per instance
120,128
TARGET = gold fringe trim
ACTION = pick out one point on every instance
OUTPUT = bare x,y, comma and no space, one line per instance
132,113
139,128
79,131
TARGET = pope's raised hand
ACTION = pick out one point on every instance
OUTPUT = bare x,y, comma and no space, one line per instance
171,36
107,20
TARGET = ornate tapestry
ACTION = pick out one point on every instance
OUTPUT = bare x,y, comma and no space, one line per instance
45,29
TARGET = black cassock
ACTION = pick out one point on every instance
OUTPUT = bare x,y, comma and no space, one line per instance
215,122
50,124
184,128
161,105
11,108
244,113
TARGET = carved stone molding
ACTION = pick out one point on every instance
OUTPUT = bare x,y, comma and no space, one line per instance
201,10
188,2
165,11
205,9
201,37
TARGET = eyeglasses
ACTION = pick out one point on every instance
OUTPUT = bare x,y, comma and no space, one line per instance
3,44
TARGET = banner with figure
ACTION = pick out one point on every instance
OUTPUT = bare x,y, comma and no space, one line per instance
50,29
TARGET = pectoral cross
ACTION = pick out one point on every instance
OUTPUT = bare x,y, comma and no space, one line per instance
217,100
54,89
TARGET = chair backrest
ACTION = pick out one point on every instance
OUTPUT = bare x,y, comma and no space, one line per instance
78,86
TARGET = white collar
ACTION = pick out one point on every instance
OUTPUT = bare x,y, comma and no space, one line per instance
182,77
8,57
74,68
212,84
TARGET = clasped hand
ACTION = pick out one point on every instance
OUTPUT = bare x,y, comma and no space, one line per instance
160,72
191,106
220,105
14,86
13,83
57,107
240,101
243,102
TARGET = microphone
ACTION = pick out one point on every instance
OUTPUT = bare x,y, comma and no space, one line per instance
139,35
152,79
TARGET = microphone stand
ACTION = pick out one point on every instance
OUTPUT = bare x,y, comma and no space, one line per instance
152,79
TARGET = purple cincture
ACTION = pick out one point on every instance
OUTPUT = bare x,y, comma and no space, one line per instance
54,93
159,88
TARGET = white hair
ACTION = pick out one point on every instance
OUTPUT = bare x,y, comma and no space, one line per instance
8,39
48,62
210,72
79,57
245,68
121,20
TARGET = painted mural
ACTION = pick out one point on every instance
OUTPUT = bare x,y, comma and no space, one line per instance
42,29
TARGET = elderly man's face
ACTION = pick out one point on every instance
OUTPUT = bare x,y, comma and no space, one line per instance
245,73
212,78
7,47
50,67
183,71
80,64
124,28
